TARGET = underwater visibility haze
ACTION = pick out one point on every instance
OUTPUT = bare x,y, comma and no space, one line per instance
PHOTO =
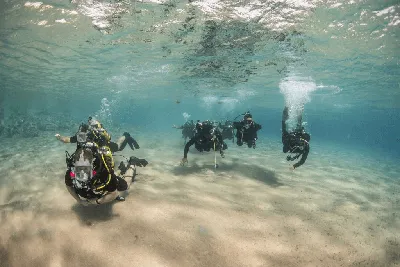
142,67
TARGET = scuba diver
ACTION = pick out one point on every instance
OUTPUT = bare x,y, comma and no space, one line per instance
90,176
188,129
90,170
94,132
246,130
226,130
296,142
207,137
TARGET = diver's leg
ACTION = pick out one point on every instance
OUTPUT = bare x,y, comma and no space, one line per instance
300,119
285,134
126,180
255,138
239,140
110,196
121,142
129,175
113,147
285,117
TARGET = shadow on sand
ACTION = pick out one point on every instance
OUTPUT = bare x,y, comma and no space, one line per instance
247,170
88,214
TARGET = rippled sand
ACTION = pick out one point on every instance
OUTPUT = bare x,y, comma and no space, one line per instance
251,211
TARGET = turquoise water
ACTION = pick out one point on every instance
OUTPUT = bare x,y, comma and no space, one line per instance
120,60
142,66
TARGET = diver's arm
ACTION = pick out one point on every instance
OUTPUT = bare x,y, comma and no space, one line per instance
65,139
300,120
257,126
187,146
285,134
303,159
110,196
285,116
177,127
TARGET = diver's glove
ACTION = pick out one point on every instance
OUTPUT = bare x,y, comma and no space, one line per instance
137,162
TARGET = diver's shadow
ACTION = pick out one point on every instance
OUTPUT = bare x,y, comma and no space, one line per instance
94,213
251,171
185,170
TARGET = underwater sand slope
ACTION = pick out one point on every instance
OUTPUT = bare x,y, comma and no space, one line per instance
251,211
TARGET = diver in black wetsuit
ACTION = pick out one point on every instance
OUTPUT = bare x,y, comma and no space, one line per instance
246,131
296,142
226,130
188,129
206,138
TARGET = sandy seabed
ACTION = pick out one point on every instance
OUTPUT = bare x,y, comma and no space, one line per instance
336,210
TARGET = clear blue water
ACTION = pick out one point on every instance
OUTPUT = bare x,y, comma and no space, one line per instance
340,59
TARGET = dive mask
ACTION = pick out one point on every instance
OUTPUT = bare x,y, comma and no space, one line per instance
83,173
83,169
81,137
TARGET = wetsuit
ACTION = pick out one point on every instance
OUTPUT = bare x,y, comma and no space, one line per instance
227,130
246,132
104,180
203,141
297,142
